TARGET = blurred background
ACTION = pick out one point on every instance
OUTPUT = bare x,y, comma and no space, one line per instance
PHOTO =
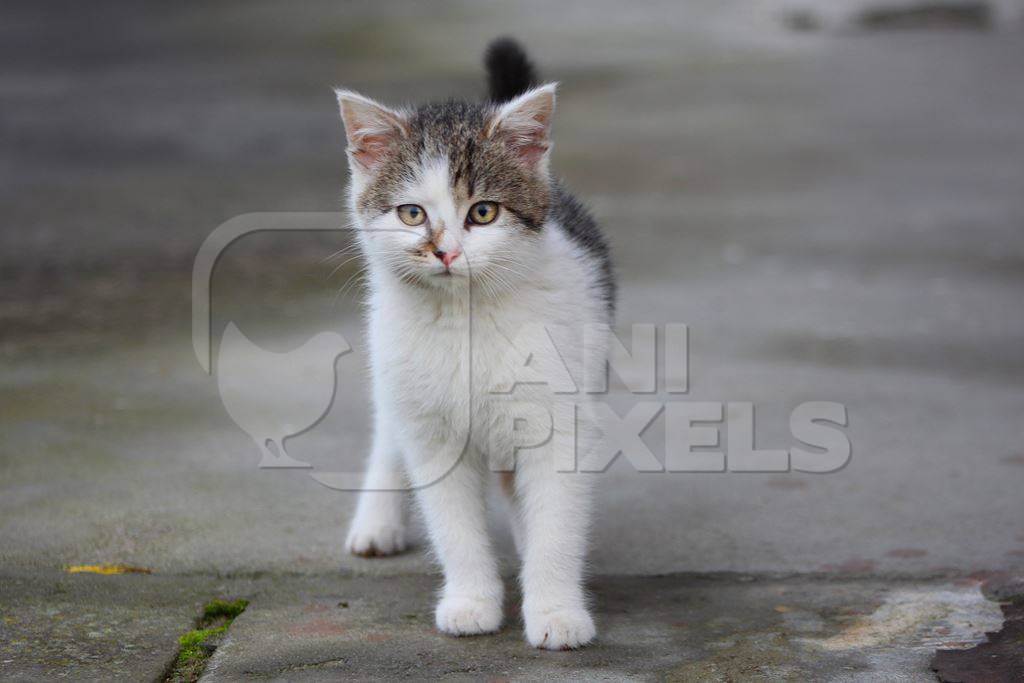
832,198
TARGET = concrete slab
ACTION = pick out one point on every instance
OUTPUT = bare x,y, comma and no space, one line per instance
678,628
89,628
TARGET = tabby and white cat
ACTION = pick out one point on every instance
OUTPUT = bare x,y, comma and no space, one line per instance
469,242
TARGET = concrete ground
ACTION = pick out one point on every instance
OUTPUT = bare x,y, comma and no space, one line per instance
680,627
836,214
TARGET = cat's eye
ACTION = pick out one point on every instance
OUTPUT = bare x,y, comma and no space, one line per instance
483,213
411,214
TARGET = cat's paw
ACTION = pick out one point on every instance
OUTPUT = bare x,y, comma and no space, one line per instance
559,629
459,616
378,540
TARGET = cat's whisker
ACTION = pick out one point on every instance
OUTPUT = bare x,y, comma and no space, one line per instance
355,276
342,265
354,280
488,286
348,249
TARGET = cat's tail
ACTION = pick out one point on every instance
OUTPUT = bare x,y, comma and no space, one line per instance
509,70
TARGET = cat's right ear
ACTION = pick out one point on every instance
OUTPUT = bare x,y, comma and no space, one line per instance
372,129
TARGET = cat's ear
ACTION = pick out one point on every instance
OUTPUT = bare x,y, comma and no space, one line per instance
524,125
372,129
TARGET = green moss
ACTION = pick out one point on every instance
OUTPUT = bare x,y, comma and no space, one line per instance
216,609
193,652
192,642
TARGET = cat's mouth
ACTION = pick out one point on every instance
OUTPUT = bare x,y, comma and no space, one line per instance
442,271
449,274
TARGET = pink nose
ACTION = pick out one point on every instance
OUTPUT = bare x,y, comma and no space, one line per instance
447,256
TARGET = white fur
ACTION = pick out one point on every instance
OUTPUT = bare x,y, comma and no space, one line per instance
439,347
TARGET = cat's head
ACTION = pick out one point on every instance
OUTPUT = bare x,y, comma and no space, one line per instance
450,191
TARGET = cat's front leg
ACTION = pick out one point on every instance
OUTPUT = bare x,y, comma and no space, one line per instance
378,527
450,491
555,510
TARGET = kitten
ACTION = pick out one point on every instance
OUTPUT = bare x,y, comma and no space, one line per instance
470,244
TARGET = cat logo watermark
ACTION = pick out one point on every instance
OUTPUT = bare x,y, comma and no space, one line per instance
556,393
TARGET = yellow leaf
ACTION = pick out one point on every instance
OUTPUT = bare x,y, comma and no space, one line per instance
105,569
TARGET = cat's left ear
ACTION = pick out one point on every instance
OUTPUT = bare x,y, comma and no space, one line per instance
372,129
524,125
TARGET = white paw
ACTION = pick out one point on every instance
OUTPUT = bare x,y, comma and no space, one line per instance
367,540
461,616
560,629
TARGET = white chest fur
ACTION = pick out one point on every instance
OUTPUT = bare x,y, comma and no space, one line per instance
452,355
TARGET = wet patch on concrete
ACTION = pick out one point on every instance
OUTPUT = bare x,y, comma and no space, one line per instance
999,659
